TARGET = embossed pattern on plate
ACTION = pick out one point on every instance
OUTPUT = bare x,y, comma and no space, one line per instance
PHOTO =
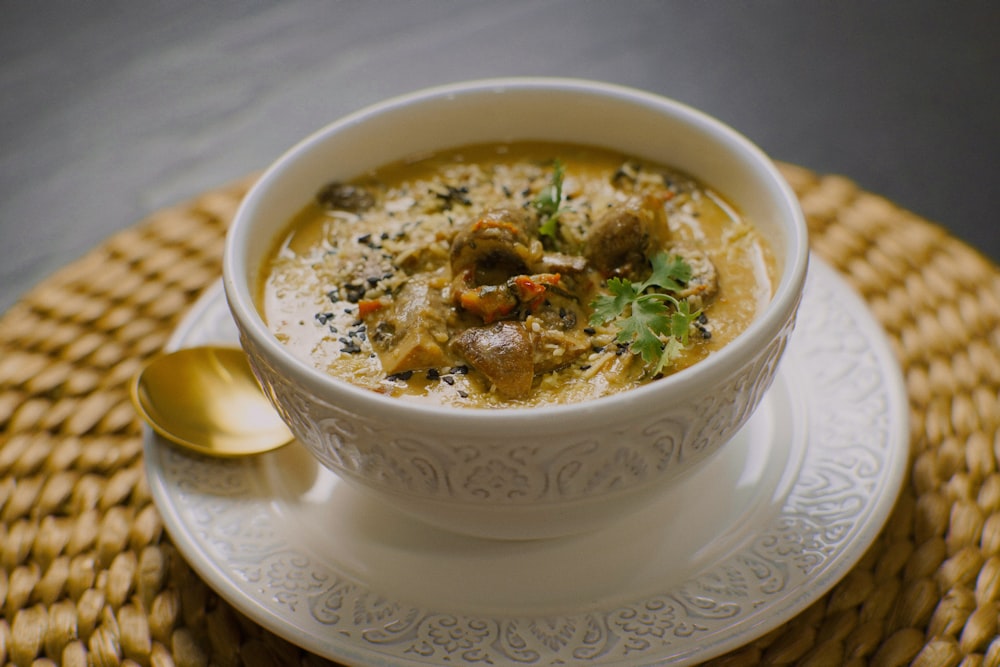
791,507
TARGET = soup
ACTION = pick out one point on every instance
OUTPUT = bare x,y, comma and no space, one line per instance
517,274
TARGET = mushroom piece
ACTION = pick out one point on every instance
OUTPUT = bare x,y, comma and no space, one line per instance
503,353
339,196
620,242
407,332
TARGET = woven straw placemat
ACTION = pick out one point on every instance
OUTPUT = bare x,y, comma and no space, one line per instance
88,576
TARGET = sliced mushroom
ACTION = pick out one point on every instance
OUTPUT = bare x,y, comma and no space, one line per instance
503,353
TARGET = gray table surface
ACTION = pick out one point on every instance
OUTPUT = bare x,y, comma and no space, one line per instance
109,111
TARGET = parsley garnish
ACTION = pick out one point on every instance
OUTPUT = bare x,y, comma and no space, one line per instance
652,322
547,201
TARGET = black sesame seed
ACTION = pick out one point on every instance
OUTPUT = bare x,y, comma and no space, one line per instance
333,295
449,380
590,331
323,318
354,292
462,394
404,375
364,238
584,367
433,374
459,370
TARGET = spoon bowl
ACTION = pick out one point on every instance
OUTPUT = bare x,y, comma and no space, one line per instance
207,399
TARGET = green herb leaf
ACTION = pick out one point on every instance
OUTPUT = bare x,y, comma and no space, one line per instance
608,307
670,272
548,227
681,321
671,350
653,322
642,329
547,202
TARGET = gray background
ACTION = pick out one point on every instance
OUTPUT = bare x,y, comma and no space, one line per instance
111,110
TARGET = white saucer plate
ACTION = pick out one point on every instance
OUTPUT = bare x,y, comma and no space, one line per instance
757,535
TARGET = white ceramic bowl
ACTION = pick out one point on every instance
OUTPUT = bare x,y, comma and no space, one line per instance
528,472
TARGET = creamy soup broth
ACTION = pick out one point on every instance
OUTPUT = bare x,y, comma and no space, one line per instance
335,287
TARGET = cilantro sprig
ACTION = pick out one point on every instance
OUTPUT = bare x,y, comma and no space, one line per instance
548,202
650,320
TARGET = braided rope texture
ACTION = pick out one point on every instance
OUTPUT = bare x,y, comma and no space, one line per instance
88,576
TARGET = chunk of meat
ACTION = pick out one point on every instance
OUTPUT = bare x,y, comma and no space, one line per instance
489,302
500,244
408,331
515,297
490,264
621,241
503,353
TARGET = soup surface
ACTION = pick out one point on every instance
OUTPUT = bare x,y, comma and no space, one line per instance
509,275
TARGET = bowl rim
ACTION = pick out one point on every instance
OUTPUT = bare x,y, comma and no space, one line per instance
352,398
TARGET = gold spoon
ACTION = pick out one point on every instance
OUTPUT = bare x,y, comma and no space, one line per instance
207,399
